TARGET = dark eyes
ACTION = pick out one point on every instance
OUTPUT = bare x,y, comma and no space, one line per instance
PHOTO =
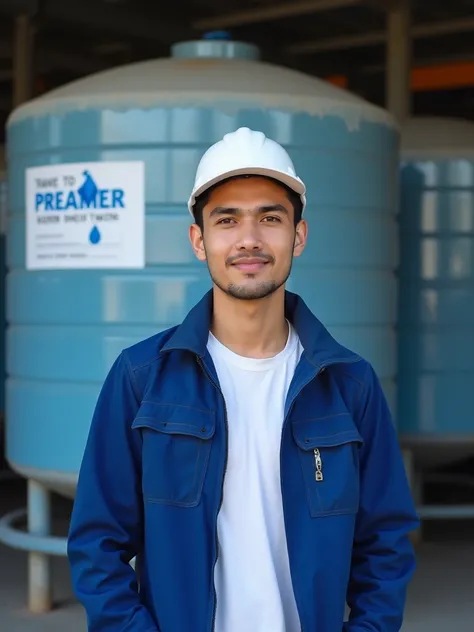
267,219
225,220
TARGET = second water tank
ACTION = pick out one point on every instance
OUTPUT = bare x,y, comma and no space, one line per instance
436,305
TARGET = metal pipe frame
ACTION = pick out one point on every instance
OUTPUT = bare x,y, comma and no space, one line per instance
272,12
419,31
38,542
24,541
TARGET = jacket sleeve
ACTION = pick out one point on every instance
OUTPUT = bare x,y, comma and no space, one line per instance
106,525
383,559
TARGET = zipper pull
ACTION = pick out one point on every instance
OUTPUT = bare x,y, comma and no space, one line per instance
319,465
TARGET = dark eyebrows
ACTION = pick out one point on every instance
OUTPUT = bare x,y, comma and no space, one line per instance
223,210
272,208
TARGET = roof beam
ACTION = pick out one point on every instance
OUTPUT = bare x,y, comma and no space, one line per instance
273,12
19,6
421,62
434,76
420,31
337,43
119,20
89,14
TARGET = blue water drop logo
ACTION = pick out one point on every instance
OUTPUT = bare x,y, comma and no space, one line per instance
94,235
88,190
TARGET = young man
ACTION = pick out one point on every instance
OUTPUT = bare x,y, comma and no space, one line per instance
245,458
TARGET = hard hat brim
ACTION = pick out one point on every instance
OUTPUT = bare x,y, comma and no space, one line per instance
295,184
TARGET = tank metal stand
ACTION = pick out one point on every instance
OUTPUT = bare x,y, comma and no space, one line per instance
39,564
37,542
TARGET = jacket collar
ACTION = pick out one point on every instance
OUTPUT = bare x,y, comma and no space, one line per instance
320,347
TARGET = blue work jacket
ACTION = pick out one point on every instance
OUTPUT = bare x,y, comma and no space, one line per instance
151,484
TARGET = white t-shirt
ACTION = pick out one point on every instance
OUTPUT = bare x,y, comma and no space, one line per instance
252,576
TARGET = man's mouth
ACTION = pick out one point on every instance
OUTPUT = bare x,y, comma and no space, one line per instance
251,264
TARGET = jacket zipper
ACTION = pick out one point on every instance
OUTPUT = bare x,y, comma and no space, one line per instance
318,462
206,373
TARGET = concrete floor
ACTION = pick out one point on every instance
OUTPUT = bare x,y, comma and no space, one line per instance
441,595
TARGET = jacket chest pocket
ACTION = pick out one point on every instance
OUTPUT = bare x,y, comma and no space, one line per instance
328,450
176,443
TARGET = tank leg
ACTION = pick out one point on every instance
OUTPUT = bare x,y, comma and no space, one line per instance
39,564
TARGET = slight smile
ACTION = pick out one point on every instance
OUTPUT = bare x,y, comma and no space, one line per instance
250,265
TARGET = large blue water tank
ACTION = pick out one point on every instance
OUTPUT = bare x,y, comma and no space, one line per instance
436,307
67,326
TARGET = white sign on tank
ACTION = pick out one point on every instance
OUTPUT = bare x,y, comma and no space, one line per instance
85,215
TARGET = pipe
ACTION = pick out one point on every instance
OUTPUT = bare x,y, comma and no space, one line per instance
24,541
446,512
39,524
421,31
273,12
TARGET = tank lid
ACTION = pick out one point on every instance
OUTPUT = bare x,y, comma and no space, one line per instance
431,135
194,78
215,45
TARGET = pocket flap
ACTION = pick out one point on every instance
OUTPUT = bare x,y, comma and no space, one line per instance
326,432
175,419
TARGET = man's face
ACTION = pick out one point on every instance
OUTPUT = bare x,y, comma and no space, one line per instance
249,237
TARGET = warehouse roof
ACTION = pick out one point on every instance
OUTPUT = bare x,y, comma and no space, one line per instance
341,40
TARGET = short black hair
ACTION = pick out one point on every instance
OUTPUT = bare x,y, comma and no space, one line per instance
203,199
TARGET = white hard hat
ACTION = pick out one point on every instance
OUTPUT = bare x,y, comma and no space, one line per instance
245,152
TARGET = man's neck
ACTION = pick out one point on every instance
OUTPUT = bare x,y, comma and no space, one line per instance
253,329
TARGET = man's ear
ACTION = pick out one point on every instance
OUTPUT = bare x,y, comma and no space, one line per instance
300,238
197,242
